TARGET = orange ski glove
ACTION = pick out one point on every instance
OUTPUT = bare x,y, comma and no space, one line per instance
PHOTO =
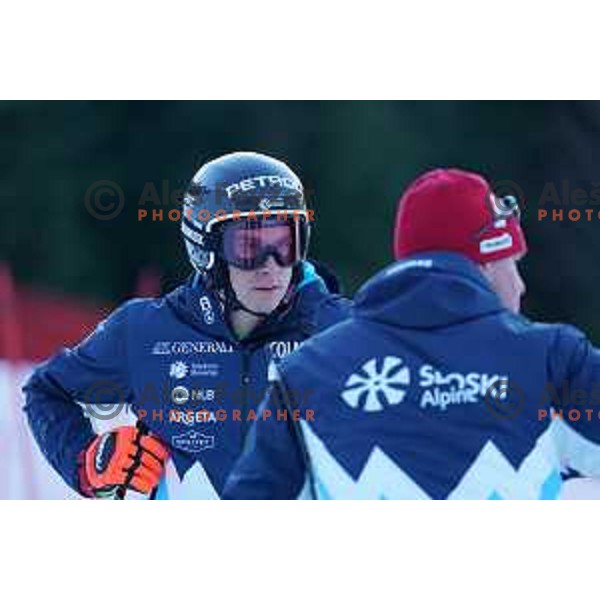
127,457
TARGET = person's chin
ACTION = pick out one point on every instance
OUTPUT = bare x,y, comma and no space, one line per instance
267,300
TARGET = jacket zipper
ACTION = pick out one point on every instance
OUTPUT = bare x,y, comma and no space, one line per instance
245,381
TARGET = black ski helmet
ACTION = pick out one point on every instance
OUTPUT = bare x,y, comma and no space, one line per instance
234,186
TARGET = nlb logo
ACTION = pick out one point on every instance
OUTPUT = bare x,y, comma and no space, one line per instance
373,389
180,395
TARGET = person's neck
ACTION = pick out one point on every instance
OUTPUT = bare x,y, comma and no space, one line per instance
244,323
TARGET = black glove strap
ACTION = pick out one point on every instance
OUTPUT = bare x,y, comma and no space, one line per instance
141,430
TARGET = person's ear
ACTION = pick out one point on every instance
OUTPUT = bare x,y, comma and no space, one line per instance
486,271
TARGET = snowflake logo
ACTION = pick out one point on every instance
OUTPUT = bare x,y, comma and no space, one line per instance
179,369
372,390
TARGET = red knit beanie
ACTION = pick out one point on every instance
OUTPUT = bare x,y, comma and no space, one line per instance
456,211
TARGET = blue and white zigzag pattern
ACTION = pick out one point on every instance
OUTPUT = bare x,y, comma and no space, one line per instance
490,476
196,484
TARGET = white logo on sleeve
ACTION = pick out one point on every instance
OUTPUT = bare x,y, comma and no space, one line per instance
372,390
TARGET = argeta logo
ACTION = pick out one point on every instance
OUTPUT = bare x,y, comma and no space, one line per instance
373,390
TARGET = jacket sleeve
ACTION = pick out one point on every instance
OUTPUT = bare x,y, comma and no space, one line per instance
575,397
94,372
272,465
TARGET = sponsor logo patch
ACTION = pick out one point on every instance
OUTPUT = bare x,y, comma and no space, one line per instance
180,395
161,348
280,349
185,347
205,369
444,390
207,311
502,242
178,370
384,382
193,442
260,182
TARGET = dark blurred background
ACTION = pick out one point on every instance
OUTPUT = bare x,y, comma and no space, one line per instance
355,158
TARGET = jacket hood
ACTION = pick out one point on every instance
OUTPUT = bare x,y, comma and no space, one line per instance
426,291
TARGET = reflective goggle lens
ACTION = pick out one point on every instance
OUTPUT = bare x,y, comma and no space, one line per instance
248,245
506,207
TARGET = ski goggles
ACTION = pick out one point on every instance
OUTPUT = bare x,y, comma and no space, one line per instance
502,209
247,245
506,207
502,237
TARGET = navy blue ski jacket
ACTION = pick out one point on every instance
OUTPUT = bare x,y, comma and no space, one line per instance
175,362
430,390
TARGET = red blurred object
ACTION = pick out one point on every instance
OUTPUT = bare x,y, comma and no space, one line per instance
49,321
148,283
35,324
10,331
